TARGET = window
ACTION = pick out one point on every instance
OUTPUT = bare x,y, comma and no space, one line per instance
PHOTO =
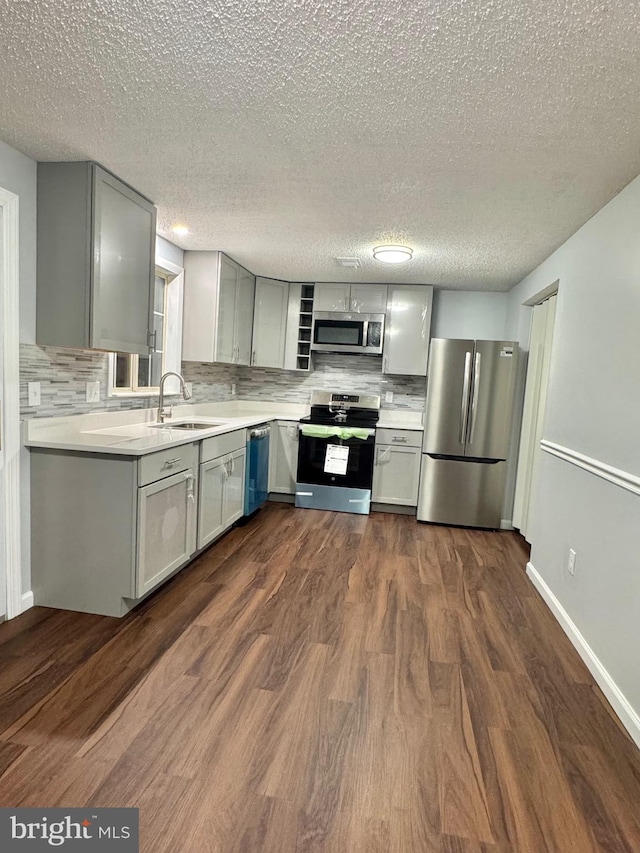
139,375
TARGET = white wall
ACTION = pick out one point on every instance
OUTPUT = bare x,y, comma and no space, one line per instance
18,174
469,314
593,408
166,250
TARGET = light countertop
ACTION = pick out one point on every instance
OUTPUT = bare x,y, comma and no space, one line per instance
133,433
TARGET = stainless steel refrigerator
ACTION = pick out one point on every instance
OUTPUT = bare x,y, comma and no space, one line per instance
467,428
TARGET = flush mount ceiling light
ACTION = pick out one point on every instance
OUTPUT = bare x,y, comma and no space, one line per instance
180,230
393,254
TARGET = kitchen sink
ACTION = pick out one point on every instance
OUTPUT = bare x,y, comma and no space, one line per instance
188,425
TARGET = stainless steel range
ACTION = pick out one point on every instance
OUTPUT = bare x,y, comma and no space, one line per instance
336,452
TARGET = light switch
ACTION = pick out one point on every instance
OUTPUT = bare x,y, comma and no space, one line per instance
388,396
34,393
93,392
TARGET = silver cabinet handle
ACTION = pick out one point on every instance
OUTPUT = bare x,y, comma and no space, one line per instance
191,485
171,462
253,357
464,409
400,438
474,397
384,363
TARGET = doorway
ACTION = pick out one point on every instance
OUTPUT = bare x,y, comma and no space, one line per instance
535,399
10,573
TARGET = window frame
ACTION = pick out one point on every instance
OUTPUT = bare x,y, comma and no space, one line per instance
174,276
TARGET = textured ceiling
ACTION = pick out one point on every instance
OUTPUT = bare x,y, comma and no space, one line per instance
481,132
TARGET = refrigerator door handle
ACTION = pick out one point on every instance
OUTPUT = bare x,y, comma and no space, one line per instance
464,410
474,396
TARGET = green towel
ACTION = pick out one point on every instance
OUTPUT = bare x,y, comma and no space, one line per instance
320,431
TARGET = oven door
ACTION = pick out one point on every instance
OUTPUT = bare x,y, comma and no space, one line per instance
319,464
335,474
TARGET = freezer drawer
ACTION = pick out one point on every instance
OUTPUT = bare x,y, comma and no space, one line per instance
461,491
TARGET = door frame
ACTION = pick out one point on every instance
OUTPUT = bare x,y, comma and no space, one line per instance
9,293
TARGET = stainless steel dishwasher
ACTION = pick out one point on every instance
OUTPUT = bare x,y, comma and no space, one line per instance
256,484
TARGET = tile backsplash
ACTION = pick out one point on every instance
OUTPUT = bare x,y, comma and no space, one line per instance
63,374
334,372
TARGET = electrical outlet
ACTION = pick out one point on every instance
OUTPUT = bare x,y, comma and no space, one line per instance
93,392
189,387
233,389
388,396
571,562
33,390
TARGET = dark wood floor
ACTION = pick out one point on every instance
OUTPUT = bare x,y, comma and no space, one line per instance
325,682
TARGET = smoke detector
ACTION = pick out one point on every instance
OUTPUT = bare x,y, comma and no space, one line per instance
354,263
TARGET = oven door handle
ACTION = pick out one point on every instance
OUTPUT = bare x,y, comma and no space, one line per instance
370,432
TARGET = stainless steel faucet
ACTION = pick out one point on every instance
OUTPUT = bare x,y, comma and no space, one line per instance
162,415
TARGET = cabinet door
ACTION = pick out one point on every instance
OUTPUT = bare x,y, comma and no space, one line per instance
166,528
233,493
407,330
331,297
269,322
283,461
368,298
225,330
396,474
124,227
213,476
245,297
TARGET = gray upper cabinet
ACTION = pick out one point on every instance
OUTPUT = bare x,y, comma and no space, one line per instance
218,309
270,322
352,298
407,329
245,296
331,297
96,260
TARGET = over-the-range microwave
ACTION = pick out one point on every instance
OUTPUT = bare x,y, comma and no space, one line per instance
335,331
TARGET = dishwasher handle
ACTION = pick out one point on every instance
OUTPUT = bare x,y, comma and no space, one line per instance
258,432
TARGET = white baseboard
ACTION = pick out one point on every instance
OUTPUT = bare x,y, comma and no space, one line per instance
618,701
27,601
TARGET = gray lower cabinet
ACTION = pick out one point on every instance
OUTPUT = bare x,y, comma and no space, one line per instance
96,260
166,528
221,495
396,472
221,490
107,529
283,457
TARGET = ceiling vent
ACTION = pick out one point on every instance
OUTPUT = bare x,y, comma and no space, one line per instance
354,263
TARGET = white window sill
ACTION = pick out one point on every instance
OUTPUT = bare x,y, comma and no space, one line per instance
141,394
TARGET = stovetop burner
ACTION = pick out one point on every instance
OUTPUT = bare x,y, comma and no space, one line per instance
357,410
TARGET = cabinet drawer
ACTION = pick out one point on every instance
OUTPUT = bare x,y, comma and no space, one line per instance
155,466
219,445
404,437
